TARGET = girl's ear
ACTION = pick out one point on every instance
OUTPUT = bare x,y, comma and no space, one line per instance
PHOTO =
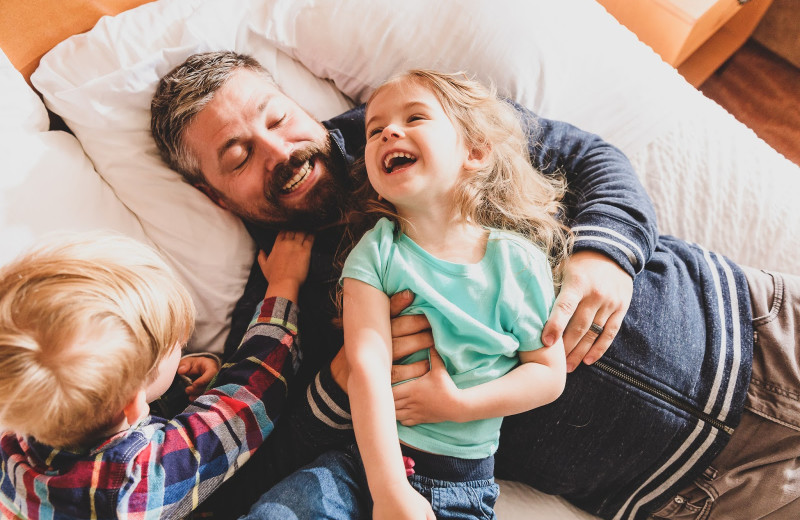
478,157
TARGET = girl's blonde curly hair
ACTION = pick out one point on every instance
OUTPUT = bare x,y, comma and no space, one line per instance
508,193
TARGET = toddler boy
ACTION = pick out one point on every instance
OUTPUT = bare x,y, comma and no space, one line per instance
91,331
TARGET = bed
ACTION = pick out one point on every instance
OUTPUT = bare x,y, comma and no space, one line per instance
713,181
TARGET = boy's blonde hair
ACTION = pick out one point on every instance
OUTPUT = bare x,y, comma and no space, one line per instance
508,192
83,323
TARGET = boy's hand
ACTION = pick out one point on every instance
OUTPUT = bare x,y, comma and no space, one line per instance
201,370
430,399
286,267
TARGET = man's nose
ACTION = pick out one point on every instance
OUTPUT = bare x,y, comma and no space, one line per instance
276,150
392,131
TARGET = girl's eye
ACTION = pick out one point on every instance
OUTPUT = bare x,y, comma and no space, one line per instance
415,117
375,131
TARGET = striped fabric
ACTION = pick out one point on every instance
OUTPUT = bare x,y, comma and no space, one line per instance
162,469
724,300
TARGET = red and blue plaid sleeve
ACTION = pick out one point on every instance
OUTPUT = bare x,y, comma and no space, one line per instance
163,469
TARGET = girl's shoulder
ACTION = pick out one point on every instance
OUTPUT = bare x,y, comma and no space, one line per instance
377,241
517,243
382,230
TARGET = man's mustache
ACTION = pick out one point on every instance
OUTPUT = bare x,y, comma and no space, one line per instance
286,170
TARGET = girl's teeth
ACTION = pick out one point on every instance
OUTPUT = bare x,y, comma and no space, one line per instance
387,161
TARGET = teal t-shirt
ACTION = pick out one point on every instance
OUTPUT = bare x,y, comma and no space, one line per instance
480,314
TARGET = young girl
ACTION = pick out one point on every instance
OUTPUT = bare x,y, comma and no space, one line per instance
469,227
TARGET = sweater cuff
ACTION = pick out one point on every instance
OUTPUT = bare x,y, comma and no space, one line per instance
616,240
277,311
328,402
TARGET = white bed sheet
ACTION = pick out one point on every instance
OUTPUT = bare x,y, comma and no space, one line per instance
714,182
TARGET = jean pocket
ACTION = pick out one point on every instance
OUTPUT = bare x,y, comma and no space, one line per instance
465,500
691,504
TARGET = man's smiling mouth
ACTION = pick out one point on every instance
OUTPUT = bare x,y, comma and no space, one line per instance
298,178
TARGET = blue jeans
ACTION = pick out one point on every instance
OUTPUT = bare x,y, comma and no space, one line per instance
334,486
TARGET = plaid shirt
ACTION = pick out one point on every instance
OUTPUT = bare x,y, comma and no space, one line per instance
158,468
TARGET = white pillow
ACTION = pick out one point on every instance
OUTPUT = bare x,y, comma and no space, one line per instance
20,106
101,84
48,185
566,60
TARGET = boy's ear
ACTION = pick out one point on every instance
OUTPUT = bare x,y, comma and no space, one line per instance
211,194
478,157
137,408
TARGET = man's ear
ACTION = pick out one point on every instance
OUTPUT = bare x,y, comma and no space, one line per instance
478,157
212,194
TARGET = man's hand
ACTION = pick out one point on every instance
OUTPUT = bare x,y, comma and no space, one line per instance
201,370
429,399
594,290
409,334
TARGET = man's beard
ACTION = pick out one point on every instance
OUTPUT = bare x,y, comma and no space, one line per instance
321,206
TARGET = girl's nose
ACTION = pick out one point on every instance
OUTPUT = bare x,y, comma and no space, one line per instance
392,131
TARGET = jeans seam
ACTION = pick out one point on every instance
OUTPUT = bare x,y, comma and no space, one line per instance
487,514
772,418
775,389
713,495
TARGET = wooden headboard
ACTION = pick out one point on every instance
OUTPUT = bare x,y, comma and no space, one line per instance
30,28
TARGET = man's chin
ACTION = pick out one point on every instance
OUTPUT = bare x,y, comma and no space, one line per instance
314,218
302,221
322,209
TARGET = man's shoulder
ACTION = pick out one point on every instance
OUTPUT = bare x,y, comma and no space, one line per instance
348,134
353,119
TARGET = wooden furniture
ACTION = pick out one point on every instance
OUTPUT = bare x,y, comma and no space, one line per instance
695,36
29,29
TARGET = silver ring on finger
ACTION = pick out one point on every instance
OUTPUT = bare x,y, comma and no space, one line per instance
597,329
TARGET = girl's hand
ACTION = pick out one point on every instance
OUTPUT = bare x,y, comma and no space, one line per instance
286,267
201,370
403,504
431,398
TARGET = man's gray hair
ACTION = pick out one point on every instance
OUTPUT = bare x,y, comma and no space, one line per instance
182,94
